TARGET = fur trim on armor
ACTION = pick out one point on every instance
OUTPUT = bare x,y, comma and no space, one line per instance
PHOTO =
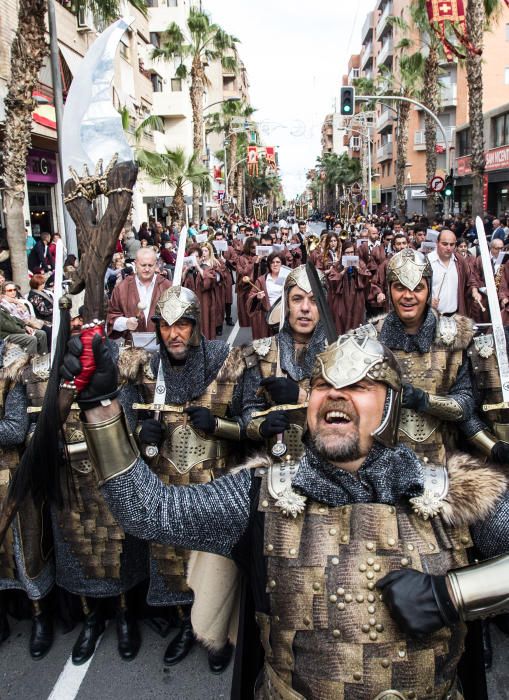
464,333
474,489
257,461
131,362
233,367
14,371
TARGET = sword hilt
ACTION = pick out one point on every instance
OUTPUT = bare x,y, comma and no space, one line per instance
152,451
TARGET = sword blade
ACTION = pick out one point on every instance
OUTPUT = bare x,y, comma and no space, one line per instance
496,316
181,252
321,302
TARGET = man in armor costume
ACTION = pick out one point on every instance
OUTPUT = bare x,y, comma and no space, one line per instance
94,558
290,353
25,554
358,562
210,395
432,352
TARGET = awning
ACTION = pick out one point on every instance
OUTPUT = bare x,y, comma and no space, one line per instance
72,58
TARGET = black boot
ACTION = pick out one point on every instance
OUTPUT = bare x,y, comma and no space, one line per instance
502,622
486,645
219,330
219,660
181,645
41,638
85,645
128,634
229,320
5,630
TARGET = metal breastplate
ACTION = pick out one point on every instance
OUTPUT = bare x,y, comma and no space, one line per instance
434,372
487,379
328,634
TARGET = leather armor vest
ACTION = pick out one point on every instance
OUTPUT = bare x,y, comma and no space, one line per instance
266,350
435,372
328,635
84,520
487,378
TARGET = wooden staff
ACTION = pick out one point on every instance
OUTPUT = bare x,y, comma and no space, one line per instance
246,280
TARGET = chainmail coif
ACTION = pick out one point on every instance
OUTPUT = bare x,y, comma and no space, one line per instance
287,352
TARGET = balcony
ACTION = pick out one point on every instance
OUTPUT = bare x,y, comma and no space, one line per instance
384,152
383,25
367,29
367,56
160,16
354,74
385,120
449,95
171,104
386,53
420,139
355,143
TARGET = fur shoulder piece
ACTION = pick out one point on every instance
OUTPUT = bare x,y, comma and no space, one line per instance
15,362
233,367
257,461
474,489
263,346
130,362
454,332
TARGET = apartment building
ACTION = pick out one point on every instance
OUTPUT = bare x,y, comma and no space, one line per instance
379,39
132,88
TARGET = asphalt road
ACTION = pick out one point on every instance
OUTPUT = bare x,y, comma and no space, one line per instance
107,677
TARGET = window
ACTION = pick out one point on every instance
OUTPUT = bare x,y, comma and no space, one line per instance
124,50
228,83
155,39
176,85
151,3
172,3
501,130
157,83
464,142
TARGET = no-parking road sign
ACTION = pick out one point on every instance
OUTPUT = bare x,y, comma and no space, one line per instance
437,184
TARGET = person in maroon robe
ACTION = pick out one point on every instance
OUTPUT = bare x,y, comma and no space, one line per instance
260,302
331,252
134,300
348,292
247,272
378,301
228,262
204,279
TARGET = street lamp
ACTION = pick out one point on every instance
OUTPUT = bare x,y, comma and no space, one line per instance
220,102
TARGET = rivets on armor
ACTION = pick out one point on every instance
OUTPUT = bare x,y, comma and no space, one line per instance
411,695
377,567
272,584
341,606
373,635
359,598
336,634
371,561
316,586
372,621
431,546
392,510
333,531
357,676
262,471
363,567
464,540
365,628
402,654
429,690
379,628
371,598
292,551
370,546
335,561
340,591
265,504
270,548
410,547
277,619
307,621
370,575
348,598
391,541
386,663
321,509
371,586
405,562
371,609
333,598
344,538
425,460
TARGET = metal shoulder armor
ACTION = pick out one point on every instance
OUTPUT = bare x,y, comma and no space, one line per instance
481,590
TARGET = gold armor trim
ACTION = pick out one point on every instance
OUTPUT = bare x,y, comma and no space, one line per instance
185,448
444,407
253,429
227,429
501,430
418,427
482,590
111,447
484,441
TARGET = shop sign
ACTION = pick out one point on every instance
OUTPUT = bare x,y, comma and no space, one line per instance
496,159
42,166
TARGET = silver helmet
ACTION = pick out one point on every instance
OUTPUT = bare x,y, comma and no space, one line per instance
180,302
409,267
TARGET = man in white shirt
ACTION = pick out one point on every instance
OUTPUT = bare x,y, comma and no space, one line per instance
133,301
450,276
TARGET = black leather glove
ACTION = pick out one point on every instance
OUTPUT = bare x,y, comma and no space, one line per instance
414,398
500,453
202,418
104,382
152,432
419,603
276,422
281,390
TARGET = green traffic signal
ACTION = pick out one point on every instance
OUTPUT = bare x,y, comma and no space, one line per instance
449,187
346,100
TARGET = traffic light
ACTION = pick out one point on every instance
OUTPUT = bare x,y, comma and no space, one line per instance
449,187
347,101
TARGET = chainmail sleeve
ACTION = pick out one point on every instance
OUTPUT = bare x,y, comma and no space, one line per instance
14,424
207,517
128,395
244,400
491,535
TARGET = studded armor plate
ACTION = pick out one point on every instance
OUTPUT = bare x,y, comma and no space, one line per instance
487,378
322,569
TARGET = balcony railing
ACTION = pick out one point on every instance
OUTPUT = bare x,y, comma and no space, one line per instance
382,22
386,52
367,27
420,138
384,152
367,55
386,118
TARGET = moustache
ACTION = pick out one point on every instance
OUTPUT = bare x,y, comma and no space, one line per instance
345,407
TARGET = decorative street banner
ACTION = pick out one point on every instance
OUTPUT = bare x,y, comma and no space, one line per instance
252,160
270,157
450,14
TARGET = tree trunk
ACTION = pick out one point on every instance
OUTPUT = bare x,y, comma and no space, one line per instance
240,191
232,159
431,101
179,204
196,92
402,145
475,29
27,54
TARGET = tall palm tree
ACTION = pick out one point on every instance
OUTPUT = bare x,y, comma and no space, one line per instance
206,42
175,170
340,170
27,54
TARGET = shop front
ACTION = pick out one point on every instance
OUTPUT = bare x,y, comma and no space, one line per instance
42,176
496,182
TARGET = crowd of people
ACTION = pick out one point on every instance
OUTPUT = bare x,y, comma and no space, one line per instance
374,464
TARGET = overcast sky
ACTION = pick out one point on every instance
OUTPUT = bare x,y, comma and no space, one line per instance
295,54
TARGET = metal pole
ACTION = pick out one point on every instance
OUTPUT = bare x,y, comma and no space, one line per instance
58,99
225,173
370,195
